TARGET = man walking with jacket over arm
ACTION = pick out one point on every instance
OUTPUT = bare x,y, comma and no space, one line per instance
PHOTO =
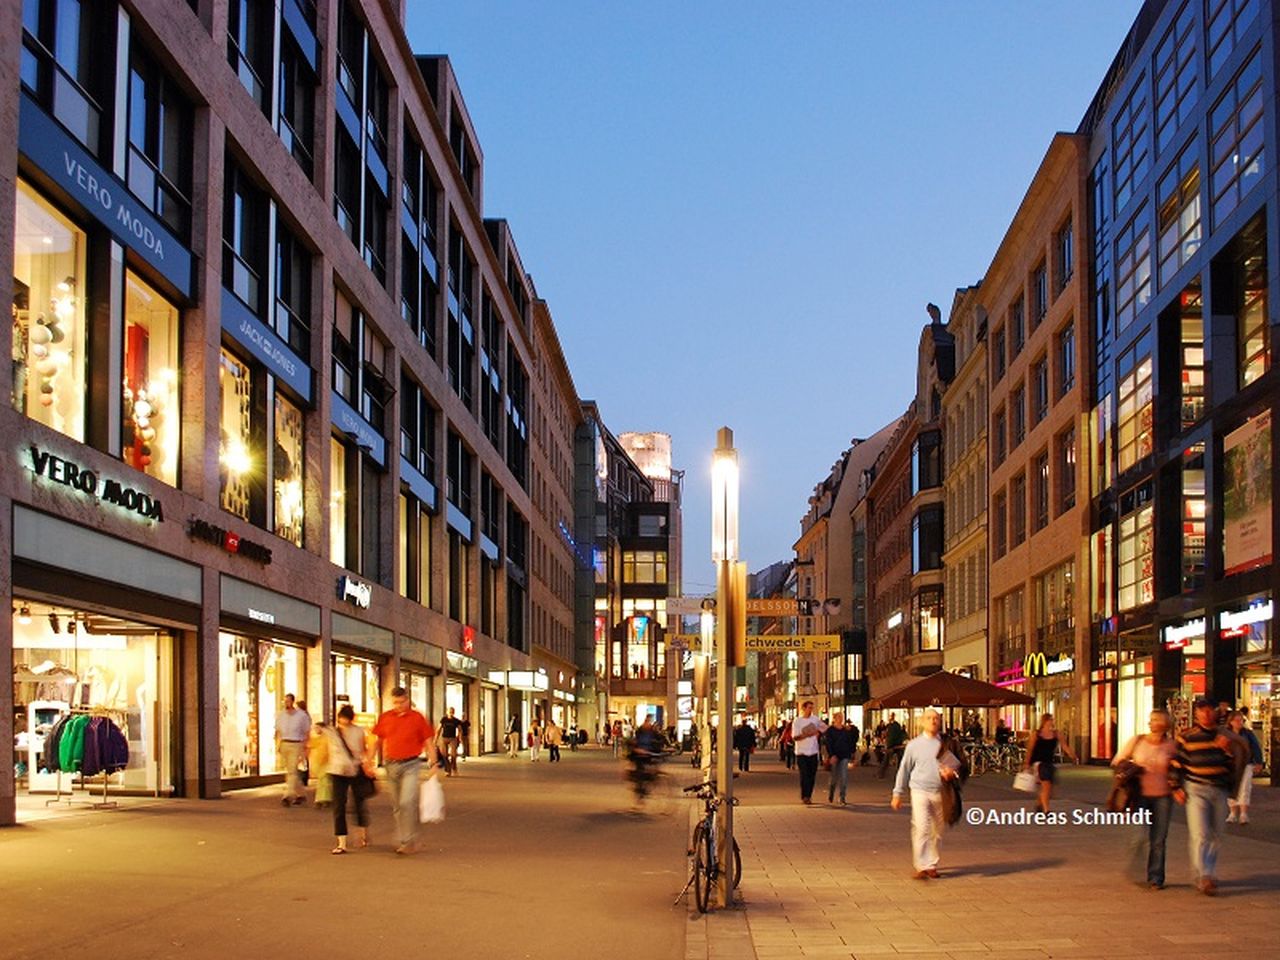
925,764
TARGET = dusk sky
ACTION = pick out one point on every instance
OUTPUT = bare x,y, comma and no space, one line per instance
737,212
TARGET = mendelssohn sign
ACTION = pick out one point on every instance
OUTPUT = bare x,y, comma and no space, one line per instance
61,470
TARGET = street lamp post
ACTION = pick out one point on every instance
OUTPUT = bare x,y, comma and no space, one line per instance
730,636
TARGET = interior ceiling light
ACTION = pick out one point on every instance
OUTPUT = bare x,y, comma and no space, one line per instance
54,625
24,615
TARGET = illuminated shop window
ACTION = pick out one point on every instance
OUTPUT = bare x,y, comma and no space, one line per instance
48,347
238,460
151,420
287,465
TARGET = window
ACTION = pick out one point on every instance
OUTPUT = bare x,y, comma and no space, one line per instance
417,428
1064,245
997,356
1040,388
490,508
458,469
1017,326
1040,492
517,426
926,462
1178,202
1102,442
296,95
151,413
1237,155
244,233
1136,546
1253,334
1129,143
1017,510
1134,421
250,35
491,371
49,316
926,619
293,291
419,292
459,572
158,160
1039,295
1193,519
999,528
644,566
414,580
1065,452
346,184
287,470
926,539
1101,547
462,337
1055,606
338,502
1133,268
1226,23
1066,359
998,451
63,62
240,447
376,211
1191,335
359,361
1017,415
1175,67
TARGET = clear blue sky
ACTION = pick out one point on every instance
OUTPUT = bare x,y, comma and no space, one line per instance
737,211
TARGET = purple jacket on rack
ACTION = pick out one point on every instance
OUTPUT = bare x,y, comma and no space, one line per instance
105,748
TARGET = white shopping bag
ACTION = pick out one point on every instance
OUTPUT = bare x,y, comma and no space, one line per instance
431,800
1026,782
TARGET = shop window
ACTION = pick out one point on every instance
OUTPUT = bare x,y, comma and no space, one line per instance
1191,336
1238,150
1176,70
1134,421
151,412
927,619
1133,268
49,360
1065,452
158,161
1040,492
338,502
1226,23
1066,359
1136,548
1102,573
254,676
240,463
1017,510
644,566
414,579
296,95
1178,206
63,62
357,682
1193,519
287,470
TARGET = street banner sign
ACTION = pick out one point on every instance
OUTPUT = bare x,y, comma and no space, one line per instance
684,606
774,607
781,642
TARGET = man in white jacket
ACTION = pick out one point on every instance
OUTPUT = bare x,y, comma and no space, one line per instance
925,764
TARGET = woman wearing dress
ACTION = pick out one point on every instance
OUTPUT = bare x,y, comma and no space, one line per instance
347,764
1041,754
1152,752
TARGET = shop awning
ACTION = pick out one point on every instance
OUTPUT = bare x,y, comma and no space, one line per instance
945,689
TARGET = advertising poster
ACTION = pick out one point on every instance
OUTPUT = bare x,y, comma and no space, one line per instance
1247,495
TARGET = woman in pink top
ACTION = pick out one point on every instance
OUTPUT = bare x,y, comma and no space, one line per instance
1152,752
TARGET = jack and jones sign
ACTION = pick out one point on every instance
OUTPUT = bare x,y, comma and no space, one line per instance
228,541
47,466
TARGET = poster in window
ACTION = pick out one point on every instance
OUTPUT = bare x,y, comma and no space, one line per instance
1247,495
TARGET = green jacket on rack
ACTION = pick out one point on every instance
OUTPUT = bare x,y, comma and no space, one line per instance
71,745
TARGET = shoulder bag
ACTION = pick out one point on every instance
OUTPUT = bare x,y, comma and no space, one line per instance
365,785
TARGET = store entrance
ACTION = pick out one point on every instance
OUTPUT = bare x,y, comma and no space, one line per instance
115,673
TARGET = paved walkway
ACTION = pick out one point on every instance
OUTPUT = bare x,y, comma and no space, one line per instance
834,882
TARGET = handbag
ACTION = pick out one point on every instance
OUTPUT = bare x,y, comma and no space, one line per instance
365,783
431,800
1026,781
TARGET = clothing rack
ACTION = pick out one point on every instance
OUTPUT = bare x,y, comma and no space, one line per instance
117,716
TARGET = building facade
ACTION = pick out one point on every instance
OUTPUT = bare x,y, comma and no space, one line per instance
1034,298
248,244
1183,235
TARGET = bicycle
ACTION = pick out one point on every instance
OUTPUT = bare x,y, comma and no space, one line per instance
706,864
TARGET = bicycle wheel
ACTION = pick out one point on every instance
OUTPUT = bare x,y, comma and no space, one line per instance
704,859
737,864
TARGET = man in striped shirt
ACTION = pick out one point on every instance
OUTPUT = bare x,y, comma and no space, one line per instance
1202,773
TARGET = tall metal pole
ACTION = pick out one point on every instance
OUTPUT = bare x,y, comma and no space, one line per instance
724,711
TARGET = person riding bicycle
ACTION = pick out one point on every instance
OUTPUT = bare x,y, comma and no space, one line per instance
646,749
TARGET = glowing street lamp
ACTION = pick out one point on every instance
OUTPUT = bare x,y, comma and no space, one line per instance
724,499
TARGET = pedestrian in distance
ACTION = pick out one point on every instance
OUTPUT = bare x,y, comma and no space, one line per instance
788,746
841,741
554,739
405,734
464,738
1041,758
318,763
806,731
615,738
450,737
1205,770
351,767
535,741
293,728
744,741
1003,734
1151,753
513,737
895,739
573,738
1238,803
926,763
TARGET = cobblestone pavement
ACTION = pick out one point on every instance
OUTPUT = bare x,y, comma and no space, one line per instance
829,882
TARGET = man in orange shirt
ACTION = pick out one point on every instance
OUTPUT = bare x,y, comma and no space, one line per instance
403,733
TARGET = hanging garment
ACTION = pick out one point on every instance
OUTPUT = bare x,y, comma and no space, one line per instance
114,749
91,766
51,742
71,746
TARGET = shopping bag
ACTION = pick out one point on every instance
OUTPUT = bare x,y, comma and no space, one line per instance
1026,782
431,800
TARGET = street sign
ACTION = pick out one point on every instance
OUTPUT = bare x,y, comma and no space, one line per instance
684,606
685,641
773,643
776,607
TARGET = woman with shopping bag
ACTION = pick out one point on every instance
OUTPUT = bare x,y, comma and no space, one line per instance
1042,754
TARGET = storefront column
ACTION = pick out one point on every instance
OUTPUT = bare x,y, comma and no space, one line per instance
1167,674
1219,666
202,764
8,789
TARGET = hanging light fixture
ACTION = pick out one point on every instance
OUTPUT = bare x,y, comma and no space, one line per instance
54,623
24,615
